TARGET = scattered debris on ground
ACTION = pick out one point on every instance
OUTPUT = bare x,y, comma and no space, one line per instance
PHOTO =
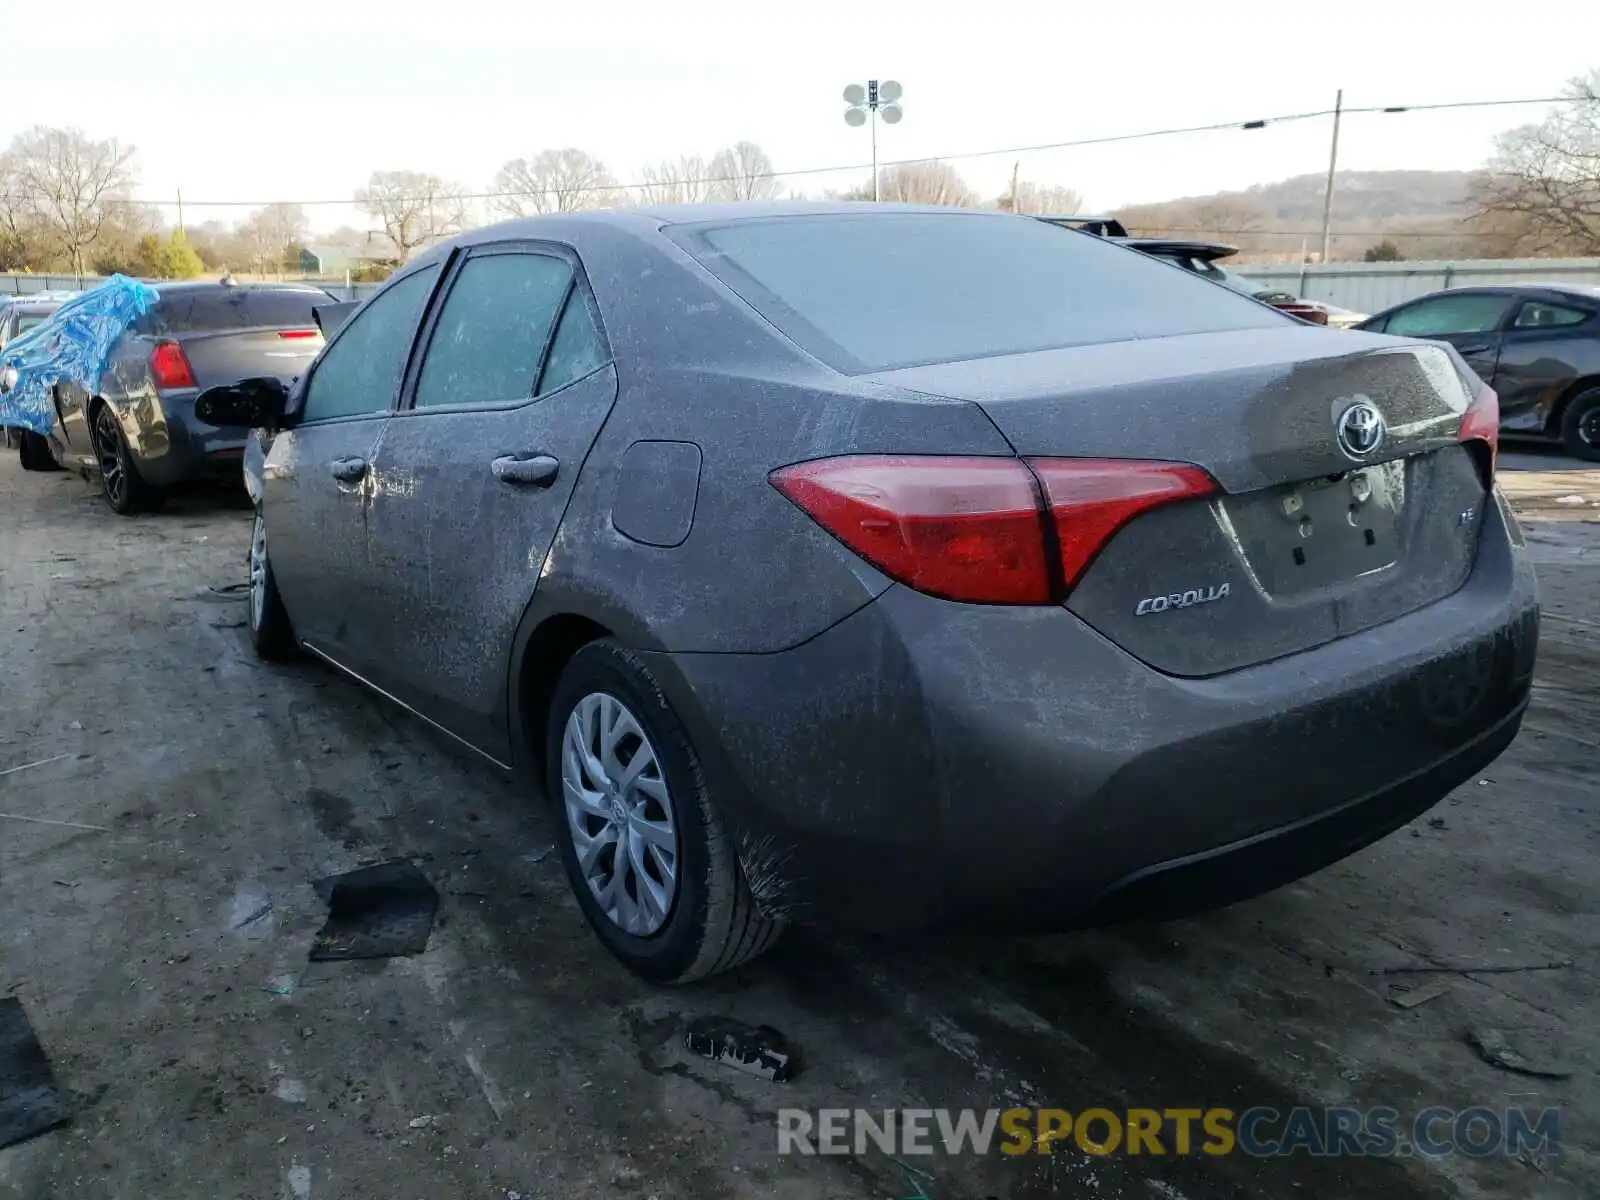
383,911
754,1049
30,1104
1421,994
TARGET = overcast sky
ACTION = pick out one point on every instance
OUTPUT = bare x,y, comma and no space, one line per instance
257,101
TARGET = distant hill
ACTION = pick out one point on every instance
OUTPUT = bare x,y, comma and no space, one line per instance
1424,213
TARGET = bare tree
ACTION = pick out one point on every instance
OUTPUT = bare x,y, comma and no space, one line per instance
71,181
930,182
554,181
743,172
678,181
1543,182
266,235
414,209
255,244
19,242
1042,199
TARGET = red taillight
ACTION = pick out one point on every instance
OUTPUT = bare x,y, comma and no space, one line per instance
1091,498
979,529
1481,423
170,366
962,528
297,333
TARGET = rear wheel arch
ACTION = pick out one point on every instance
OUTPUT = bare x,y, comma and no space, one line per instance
1558,410
542,651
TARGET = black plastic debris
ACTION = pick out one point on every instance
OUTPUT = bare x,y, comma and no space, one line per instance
754,1049
384,911
30,1104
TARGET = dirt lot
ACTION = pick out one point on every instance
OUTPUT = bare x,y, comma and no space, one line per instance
162,955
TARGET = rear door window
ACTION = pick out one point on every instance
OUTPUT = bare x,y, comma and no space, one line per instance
1468,312
1537,314
209,310
871,292
494,330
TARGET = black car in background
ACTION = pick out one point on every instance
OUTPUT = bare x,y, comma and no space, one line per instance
1536,344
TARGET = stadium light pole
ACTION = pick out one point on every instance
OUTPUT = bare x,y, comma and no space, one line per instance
869,104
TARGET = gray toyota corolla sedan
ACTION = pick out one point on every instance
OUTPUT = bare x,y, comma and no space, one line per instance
895,566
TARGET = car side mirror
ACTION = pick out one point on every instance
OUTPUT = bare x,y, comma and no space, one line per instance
8,379
251,403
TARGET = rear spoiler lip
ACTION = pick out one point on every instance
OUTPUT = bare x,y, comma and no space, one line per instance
1101,226
329,317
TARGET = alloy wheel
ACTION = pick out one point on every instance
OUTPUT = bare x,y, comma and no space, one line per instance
620,813
108,454
258,570
1589,427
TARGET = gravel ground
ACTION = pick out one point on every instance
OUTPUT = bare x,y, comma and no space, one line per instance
161,954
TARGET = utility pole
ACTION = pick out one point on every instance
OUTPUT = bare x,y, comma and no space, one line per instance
180,210
1333,163
1015,167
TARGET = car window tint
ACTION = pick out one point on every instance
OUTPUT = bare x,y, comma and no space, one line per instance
1538,315
209,309
1465,313
360,372
866,292
492,330
577,347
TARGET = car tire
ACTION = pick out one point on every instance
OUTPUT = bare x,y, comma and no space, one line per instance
270,631
1580,425
124,489
710,921
34,453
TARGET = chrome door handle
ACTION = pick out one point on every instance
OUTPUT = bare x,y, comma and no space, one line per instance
348,470
539,470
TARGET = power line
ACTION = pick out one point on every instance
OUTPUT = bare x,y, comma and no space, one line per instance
1075,143
1305,233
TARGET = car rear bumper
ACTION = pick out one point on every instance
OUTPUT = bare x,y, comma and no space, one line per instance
925,762
170,446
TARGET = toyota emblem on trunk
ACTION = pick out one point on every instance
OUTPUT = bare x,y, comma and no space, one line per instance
1360,429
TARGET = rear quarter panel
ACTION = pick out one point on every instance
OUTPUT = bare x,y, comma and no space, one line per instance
754,574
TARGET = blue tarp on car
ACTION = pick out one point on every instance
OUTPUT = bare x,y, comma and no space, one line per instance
72,346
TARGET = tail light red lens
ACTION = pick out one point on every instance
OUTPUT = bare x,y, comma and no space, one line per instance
1481,423
983,530
961,528
170,366
297,333
1090,499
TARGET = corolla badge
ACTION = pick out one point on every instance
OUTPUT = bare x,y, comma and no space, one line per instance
1360,429
1185,599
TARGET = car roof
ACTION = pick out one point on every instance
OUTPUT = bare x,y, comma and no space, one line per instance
647,218
1581,291
209,285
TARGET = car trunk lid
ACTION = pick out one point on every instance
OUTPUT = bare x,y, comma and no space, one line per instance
230,355
1305,541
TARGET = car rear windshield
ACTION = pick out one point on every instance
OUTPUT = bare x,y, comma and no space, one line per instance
208,310
876,291
27,321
